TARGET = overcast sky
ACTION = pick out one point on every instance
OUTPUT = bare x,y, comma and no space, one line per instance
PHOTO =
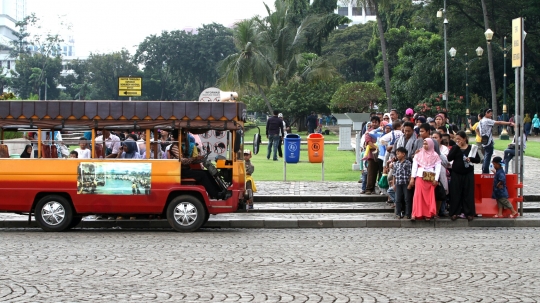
103,26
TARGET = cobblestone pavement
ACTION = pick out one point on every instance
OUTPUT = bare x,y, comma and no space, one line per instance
339,265
353,188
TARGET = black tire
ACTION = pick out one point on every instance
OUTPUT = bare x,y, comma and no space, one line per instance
186,213
206,217
53,213
75,221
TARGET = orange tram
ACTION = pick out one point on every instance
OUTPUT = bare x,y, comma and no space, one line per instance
59,192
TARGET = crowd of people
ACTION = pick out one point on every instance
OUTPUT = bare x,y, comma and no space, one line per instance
425,165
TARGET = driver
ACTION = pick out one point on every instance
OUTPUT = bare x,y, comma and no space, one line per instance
202,177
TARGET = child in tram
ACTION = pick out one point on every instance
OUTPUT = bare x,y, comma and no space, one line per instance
250,184
73,154
83,150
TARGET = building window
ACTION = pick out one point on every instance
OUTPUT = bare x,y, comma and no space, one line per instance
9,64
357,11
370,11
343,11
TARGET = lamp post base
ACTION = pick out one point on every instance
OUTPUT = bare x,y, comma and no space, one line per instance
504,135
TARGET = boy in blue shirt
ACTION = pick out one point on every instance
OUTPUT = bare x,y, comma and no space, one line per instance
500,193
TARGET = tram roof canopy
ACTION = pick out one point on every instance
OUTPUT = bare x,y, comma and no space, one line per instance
129,114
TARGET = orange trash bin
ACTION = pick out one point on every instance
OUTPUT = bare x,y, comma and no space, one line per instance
315,144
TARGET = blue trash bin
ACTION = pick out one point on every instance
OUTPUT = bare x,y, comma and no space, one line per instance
292,148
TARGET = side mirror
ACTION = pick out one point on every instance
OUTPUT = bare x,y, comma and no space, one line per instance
239,141
256,141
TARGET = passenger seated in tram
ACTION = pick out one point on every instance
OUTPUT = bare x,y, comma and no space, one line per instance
112,143
202,177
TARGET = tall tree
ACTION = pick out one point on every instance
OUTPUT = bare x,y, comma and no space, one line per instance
105,70
490,62
271,50
251,66
377,5
39,58
350,46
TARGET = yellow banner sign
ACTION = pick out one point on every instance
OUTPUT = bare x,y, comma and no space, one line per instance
517,47
129,93
129,83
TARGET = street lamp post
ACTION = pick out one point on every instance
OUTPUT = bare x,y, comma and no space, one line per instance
479,51
504,133
442,13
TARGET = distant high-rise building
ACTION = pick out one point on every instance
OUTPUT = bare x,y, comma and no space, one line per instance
11,12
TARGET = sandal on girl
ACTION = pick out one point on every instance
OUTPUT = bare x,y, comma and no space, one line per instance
497,216
514,216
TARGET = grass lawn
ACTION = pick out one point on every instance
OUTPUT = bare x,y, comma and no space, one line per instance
248,135
532,150
337,166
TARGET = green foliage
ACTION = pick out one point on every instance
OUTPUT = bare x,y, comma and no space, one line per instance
297,99
348,46
179,64
430,106
30,73
271,53
7,96
417,72
105,70
356,97
8,135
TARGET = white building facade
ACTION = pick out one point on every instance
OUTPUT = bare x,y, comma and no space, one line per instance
357,13
11,12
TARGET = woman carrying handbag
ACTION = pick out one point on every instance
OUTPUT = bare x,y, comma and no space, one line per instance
426,168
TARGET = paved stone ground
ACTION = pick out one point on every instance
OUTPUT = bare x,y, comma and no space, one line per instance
339,265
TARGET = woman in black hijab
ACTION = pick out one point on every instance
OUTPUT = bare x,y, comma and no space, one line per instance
27,153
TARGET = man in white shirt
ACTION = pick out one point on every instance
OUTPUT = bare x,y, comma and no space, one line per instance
486,126
112,143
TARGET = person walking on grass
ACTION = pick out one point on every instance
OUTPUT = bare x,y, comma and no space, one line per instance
274,130
500,192
311,122
536,124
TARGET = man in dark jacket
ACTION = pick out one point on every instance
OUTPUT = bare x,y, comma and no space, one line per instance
274,129
311,123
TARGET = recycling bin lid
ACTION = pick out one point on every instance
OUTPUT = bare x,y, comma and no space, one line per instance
290,136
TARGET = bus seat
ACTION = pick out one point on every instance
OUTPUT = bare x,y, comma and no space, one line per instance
4,151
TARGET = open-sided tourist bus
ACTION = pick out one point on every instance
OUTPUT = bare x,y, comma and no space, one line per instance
60,191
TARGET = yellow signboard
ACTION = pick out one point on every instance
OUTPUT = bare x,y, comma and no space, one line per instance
129,86
517,41
129,93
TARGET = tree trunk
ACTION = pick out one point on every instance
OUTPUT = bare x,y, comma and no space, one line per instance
491,71
266,100
384,57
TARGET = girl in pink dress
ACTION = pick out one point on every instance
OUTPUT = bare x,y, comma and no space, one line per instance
426,160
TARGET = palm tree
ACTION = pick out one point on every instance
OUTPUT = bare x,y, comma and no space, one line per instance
270,49
251,66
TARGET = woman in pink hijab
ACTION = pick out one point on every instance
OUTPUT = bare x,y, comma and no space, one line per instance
426,164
